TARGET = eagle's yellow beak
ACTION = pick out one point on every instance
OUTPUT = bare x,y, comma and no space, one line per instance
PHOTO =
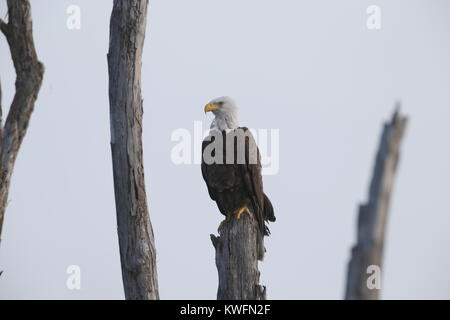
211,107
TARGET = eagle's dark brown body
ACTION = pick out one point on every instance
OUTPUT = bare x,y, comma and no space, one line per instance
239,183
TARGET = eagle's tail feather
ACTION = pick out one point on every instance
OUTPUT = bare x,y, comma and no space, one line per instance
268,210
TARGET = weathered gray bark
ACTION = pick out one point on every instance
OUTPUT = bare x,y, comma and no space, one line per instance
136,241
237,260
29,74
372,215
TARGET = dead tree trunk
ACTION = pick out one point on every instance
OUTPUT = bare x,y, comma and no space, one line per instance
29,74
136,241
363,277
237,260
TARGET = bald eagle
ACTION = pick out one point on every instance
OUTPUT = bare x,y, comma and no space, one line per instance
231,167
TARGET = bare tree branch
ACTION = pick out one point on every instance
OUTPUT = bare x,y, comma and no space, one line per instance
29,74
136,240
373,214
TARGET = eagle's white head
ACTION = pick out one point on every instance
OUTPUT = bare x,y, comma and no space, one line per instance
225,112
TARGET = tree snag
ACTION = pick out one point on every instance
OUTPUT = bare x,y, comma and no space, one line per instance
237,255
136,241
29,74
373,215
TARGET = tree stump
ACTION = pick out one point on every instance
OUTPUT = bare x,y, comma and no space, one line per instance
237,252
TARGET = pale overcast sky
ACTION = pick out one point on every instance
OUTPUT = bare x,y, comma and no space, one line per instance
311,69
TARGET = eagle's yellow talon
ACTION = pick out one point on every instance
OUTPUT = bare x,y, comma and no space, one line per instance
241,211
237,212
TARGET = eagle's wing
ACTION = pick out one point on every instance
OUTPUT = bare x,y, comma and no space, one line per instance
211,174
251,174
205,171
